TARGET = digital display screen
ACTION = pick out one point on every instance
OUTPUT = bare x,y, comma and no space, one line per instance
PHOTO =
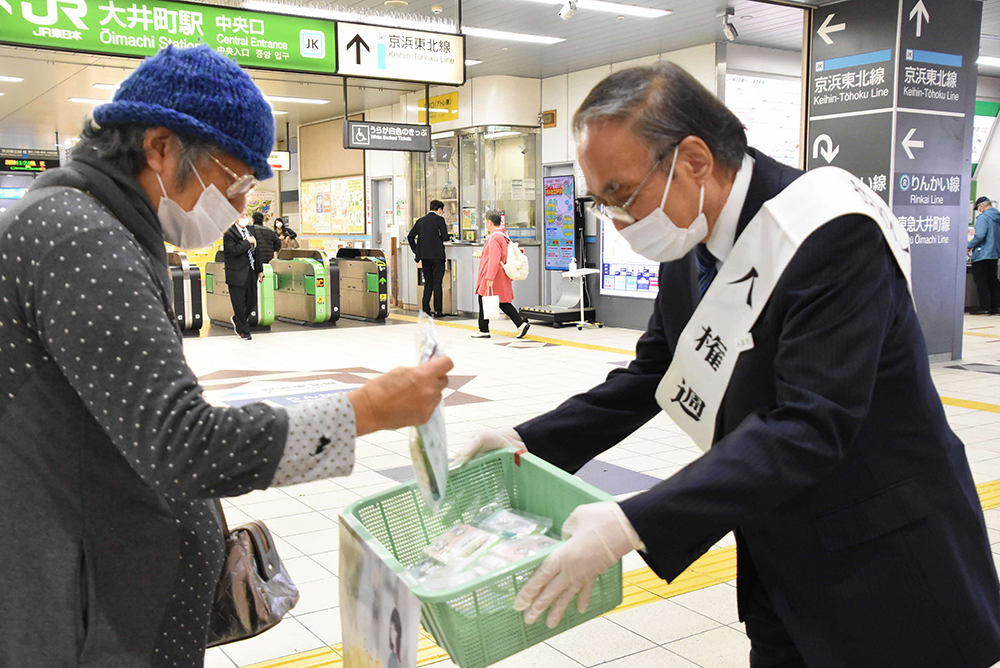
625,273
12,193
560,210
27,165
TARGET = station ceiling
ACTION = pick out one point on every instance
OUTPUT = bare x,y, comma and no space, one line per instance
32,111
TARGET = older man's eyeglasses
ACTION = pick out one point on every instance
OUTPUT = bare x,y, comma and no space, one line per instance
620,214
242,185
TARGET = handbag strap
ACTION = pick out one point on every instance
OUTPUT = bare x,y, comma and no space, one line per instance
222,518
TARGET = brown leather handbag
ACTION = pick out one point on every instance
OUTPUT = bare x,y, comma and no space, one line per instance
254,590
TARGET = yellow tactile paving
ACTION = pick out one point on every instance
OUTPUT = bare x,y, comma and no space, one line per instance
966,403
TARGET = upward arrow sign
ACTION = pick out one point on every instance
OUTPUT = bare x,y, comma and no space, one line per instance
358,42
920,11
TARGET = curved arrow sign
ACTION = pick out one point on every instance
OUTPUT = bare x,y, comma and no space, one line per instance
824,145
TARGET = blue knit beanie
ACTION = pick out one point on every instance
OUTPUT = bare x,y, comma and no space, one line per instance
200,93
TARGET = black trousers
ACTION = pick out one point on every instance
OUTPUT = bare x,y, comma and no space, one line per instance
984,273
244,301
770,644
506,307
433,275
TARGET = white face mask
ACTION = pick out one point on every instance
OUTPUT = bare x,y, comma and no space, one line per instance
200,227
655,237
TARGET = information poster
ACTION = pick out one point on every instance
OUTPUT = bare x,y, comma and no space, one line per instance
333,206
625,273
770,108
379,615
559,227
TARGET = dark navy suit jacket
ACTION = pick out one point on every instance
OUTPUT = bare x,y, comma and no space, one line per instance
852,499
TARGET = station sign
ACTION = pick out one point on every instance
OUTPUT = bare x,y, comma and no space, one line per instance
374,136
12,193
891,99
20,161
141,28
280,161
380,52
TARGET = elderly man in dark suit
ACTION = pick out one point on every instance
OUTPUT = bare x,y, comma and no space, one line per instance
243,271
860,537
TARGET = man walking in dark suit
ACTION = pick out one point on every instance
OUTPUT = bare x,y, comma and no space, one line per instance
426,238
243,272
785,342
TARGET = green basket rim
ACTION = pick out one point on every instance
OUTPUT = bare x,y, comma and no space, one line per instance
349,515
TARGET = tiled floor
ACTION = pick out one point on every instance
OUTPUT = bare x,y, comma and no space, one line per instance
508,384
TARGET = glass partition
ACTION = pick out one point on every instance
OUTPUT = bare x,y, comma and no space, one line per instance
510,175
443,178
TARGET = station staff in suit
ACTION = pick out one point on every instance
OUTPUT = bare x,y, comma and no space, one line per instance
860,536
243,271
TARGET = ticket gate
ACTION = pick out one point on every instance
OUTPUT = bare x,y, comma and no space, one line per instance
364,291
185,292
220,309
307,287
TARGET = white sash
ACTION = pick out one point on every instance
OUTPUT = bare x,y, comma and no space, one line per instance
691,391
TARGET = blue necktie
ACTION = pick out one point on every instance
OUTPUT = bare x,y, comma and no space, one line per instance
246,235
706,268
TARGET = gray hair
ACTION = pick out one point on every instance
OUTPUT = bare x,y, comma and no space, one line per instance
493,217
665,104
123,145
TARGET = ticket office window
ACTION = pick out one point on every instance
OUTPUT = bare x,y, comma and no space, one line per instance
510,177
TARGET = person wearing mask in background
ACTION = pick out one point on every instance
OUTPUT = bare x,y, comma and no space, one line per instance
785,342
426,239
493,280
110,456
243,272
268,243
985,247
286,234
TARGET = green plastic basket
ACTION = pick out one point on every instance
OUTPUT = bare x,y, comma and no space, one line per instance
476,622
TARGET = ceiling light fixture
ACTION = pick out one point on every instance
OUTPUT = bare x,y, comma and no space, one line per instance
511,36
469,62
295,100
612,7
728,29
87,100
7,79
396,3
988,61
278,113
498,135
437,9
104,86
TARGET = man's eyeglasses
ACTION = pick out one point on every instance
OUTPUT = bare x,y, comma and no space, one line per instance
620,214
242,185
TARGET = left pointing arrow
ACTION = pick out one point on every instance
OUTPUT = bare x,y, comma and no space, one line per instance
825,29
357,41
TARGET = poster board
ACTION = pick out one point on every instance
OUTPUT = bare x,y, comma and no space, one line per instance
560,237
625,273
770,108
333,206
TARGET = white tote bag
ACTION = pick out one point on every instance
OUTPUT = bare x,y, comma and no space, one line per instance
491,307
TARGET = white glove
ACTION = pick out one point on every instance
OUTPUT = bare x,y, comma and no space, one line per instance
598,535
488,441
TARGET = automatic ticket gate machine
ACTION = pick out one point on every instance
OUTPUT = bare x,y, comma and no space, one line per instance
307,287
220,309
185,292
364,291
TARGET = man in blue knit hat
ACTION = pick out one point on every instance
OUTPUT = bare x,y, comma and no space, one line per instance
110,457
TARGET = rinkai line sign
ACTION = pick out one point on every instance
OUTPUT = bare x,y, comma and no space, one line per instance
136,28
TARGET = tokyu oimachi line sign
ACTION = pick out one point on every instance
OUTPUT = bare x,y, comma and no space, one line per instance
135,28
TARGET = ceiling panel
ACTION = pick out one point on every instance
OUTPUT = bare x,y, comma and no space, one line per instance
31,112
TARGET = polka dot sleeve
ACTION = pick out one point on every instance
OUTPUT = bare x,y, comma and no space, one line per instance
99,311
320,441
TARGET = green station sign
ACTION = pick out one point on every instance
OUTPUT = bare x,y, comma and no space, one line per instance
140,29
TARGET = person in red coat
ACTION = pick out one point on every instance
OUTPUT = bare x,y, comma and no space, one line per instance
493,280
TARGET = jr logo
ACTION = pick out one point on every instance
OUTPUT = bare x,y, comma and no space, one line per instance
74,10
